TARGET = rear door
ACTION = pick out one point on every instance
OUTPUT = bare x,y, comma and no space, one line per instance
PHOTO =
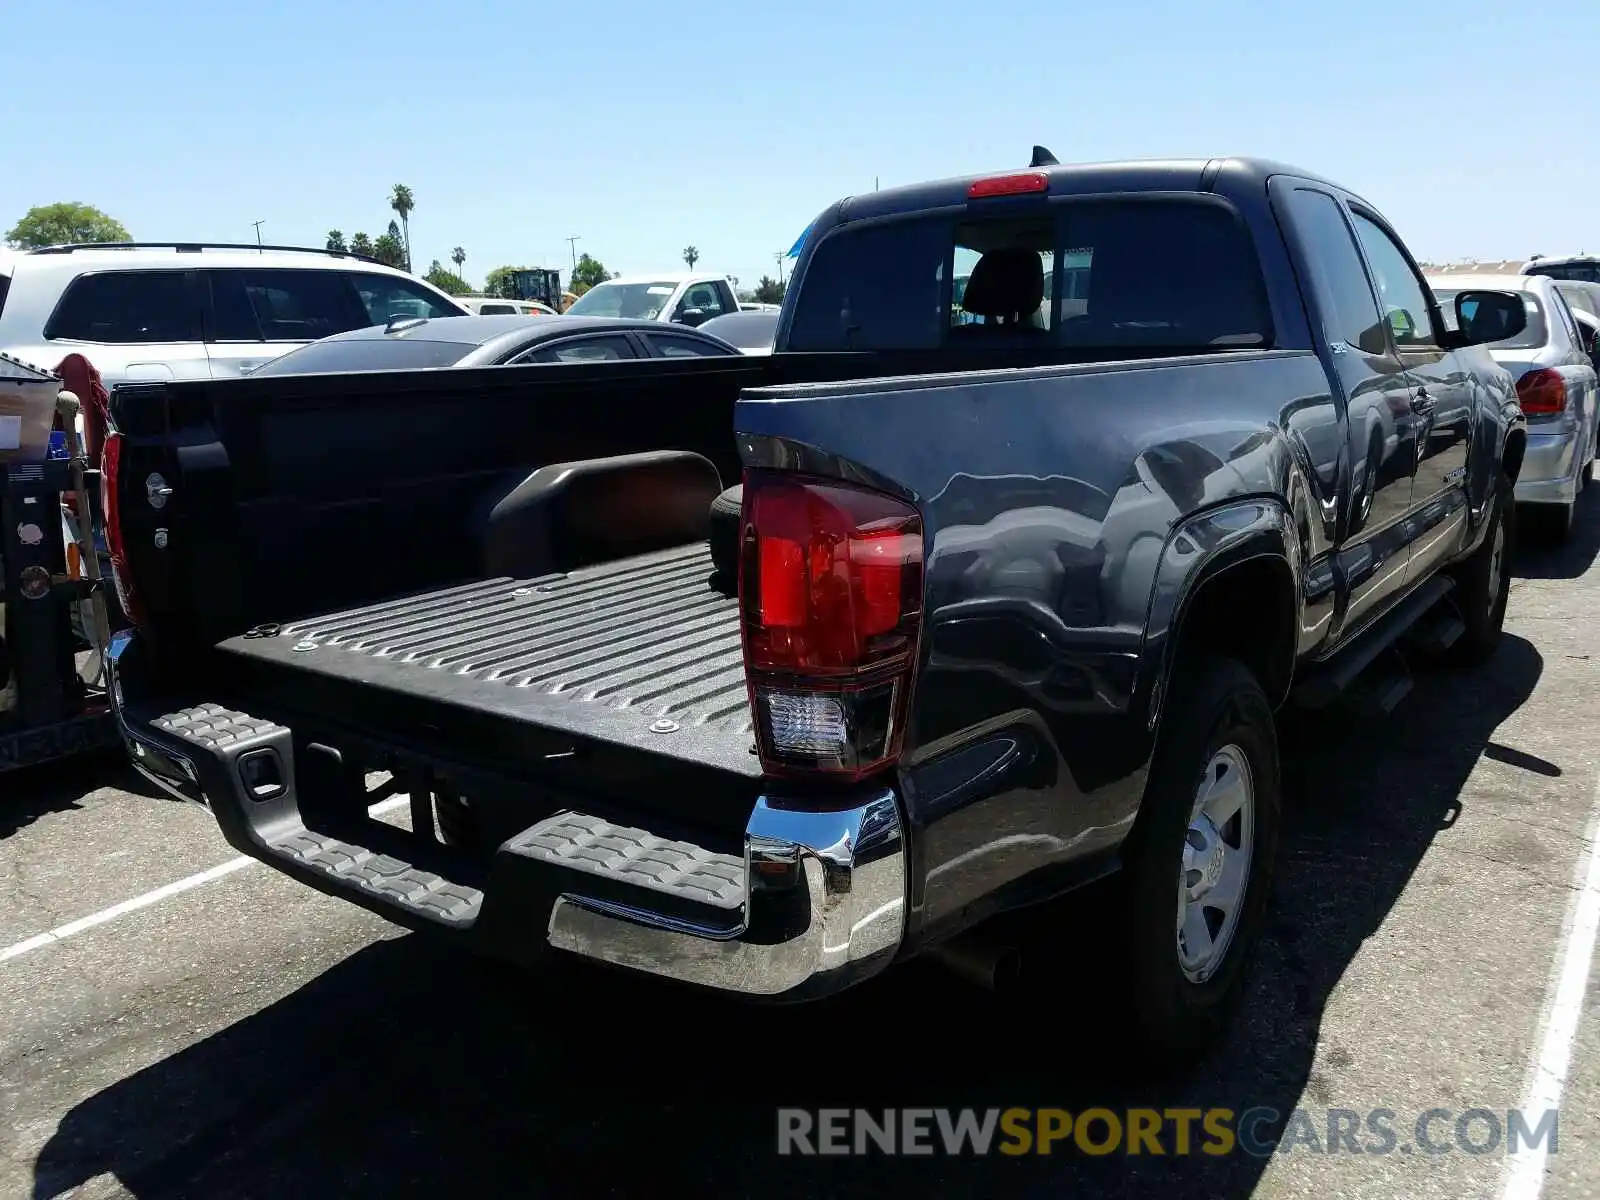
1443,395
258,314
1374,545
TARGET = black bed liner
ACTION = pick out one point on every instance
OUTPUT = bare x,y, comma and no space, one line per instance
641,652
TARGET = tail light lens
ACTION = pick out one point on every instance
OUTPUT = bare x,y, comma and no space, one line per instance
830,591
1542,392
111,514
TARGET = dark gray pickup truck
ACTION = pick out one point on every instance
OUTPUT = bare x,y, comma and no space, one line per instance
1059,485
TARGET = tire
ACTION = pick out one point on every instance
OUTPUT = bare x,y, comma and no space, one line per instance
1483,584
1218,723
724,538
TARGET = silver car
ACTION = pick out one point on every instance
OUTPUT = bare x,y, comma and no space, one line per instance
1556,384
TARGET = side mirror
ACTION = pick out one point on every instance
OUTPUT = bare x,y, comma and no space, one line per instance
1483,317
1401,324
691,317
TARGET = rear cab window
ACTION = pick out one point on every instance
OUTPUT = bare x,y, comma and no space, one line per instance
1163,274
127,308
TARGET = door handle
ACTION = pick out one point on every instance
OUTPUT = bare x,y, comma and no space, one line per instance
1422,403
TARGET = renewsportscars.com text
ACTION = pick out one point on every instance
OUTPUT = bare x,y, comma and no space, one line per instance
1161,1131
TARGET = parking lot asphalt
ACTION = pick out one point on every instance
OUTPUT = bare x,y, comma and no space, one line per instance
250,1037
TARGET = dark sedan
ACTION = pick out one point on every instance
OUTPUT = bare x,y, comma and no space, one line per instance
418,342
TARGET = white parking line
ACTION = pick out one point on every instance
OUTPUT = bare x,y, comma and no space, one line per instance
177,887
1563,1007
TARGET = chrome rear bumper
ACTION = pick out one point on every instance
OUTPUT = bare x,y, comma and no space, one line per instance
824,906
816,902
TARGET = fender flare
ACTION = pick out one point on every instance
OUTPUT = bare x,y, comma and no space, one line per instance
1199,548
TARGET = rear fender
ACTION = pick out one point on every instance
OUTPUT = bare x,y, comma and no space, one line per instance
1200,550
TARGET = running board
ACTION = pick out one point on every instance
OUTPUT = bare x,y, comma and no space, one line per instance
1334,678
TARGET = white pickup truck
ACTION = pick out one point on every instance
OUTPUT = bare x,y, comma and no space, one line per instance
684,297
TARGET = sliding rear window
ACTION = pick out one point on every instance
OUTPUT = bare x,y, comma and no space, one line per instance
1132,274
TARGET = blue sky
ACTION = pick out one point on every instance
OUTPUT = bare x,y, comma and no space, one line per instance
646,127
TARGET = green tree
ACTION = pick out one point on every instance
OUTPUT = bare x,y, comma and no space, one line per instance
691,255
446,281
498,282
63,224
361,244
404,203
588,272
389,249
458,256
770,291
336,241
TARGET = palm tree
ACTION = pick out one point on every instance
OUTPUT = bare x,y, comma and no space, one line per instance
336,241
691,255
403,203
458,256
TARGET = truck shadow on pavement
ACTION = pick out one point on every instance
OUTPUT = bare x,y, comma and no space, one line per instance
408,1070
32,792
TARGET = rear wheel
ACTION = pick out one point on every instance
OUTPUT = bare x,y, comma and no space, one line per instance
1197,867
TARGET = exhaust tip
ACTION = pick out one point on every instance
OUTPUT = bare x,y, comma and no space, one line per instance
994,968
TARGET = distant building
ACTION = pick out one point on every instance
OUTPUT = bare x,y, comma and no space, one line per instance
1475,267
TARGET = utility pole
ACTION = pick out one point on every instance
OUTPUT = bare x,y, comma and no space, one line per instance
258,225
779,256
572,243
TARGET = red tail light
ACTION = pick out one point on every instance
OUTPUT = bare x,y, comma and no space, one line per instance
1542,392
830,591
111,511
1009,185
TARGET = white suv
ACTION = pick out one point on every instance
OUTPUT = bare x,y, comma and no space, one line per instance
143,311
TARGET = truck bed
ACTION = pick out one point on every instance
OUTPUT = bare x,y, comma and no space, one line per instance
641,652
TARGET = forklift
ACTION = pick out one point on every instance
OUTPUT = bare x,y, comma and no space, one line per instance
535,283
55,623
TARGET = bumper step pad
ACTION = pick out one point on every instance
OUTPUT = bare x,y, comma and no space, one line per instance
635,858
214,728
399,882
